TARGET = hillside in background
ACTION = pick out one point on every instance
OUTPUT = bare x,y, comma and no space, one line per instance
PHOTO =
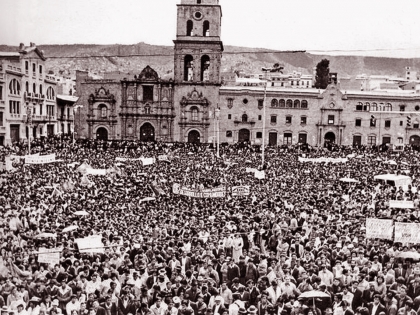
109,58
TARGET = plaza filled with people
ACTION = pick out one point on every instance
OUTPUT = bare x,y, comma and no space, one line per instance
170,228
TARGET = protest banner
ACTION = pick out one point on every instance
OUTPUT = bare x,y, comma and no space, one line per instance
250,170
240,190
121,159
40,159
217,192
401,204
163,158
94,171
259,174
407,233
49,255
147,161
323,160
377,228
90,244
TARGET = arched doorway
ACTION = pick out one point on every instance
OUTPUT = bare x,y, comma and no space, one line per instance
415,140
329,137
194,136
244,135
101,133
147,133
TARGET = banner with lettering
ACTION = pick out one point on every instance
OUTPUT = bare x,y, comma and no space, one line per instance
323,160
121,159
90,244
164,158
378,228
217,192
402,204
49,255
240,190
259,174
407,232
147,161
40,159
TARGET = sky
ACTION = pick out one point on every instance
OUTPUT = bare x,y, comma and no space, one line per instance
364,27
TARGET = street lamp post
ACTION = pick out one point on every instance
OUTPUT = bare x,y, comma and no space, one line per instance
217,116
263,131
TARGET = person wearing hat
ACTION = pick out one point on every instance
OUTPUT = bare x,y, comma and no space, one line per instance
20,309
218,307
252,310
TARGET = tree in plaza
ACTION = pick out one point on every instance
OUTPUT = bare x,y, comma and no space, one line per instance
322,74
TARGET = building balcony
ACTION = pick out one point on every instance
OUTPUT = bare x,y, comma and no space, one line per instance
14,69
238,121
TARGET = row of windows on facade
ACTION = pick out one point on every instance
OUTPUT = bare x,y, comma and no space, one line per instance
103,110
204,68
292,82
14,89
190,26
33,67
387,123
275,103
381,107
14,108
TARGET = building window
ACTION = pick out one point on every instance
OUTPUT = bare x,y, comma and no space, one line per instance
274,102
417,108
402,108
34,68
245,101
296,104
190,26
103,110
40,109
14,107
50,93
259,117
374,107
244,118
303,120
282,103
230,102
188,68
259,135
287,138
229,116
373,122
1,119
388,107
387,124
366,107
288,119
229,134
273,119
40,69
205,68
386,140
289,103
26,66
194,113
260,104
40,89
34,88
358,122
330,119
401,123
1,92
304,104
14,87
359,106
147,93
206,28
400,140
416,124
371,140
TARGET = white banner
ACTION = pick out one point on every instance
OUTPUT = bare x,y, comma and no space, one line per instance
217,192
94,171
407,232
240,190
147,161
126,159
90,244
323,159
40,159
250,170
163,158
49,255
377,228
259,174
8,164
402,204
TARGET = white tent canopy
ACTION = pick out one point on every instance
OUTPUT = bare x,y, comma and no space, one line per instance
395,180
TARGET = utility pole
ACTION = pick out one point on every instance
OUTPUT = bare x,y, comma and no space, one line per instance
263,131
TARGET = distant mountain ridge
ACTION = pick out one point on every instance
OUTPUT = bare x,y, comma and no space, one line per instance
133,58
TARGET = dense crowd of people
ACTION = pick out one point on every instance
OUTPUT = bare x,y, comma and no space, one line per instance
295,245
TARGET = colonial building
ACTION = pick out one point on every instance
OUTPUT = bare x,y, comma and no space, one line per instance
137,108
27,96
195,107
